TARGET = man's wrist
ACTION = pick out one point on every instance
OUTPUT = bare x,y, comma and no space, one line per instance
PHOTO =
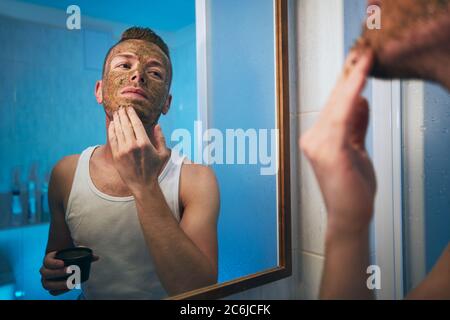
144,191
339,230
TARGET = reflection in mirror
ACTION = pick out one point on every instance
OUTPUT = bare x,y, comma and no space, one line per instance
426,178
89,180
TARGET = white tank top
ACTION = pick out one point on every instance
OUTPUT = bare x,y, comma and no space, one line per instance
110,226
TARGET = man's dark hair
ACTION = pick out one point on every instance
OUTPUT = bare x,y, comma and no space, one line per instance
139,33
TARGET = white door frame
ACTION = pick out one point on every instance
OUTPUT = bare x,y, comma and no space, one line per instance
387,157
201,25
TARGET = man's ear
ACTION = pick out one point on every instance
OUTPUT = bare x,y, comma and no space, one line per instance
98,91
166,106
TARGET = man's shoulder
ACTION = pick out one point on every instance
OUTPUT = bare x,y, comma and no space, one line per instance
197,173
197,179
62,175
65,165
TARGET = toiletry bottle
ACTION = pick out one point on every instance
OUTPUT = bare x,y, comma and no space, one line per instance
45,210
32,203
16,203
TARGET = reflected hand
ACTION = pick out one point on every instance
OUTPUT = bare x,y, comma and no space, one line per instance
335,147
52,271
136,159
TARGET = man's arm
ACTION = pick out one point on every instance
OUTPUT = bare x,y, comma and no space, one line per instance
185,254
59,234
437,283
335,147
58,191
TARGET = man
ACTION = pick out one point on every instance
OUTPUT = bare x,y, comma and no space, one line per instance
414,42
149,215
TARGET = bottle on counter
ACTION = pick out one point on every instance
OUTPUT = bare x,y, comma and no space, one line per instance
32,202
16,201
45,210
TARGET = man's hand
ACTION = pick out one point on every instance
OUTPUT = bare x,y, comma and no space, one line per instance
336,149
136,159
52,271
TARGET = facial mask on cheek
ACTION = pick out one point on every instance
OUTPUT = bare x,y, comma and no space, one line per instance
156,90
148,110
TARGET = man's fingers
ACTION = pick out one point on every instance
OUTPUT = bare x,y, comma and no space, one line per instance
118,130
54,285
353,86
138,127
125,123
349,63
159,138
51,263
360,123
358,75
49,274
112,137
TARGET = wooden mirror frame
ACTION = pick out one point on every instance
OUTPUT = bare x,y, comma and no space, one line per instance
284,268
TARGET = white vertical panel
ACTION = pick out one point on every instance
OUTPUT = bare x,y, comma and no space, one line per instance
386,109
201,18
413,171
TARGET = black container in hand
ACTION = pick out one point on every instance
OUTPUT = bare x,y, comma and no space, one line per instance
79,256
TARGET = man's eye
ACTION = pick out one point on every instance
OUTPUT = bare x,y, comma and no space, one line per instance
155,74
124,66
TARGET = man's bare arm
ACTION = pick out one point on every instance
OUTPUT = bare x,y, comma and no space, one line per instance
185,254
184,259
437,283
58,192
59,234
335,146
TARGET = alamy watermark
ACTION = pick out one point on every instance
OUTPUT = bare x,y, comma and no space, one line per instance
374,280
373,21
74,280
73,21
234,146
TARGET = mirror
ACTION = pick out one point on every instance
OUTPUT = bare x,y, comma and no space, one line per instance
426,178
229,112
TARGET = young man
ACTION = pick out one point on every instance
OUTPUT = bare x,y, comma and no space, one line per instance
414,42
148,214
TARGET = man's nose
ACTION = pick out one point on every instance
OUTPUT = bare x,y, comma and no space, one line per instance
138,77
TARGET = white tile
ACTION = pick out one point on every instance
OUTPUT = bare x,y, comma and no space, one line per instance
310,271
320,52
312,211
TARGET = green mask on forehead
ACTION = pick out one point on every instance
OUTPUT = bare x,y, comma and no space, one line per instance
154,82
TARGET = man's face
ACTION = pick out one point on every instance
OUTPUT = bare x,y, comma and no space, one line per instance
409,29
137,74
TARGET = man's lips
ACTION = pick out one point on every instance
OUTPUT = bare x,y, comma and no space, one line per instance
135,92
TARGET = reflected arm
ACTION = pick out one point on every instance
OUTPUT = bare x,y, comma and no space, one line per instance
437,283
185,253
